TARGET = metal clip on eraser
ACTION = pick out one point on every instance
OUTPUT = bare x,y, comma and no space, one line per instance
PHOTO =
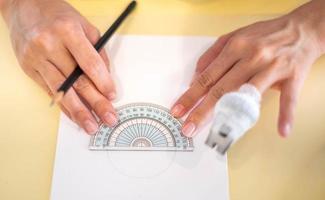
235,113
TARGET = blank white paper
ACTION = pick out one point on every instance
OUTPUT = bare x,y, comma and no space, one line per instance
153,69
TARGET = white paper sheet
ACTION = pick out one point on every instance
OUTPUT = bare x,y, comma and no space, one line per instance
152,69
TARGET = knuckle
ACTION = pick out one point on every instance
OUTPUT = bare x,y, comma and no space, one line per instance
205,80
273,73
78,114
100,107
277,62
262,52
64,25
82,84
94,34
92,66
197,116
245,67
275,65
285,68
238,41
187,101
41,39
216,92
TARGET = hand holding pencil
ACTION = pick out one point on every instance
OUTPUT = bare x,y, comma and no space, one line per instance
50,44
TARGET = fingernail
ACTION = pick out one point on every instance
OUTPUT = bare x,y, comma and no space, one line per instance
112,96
90,127
188,129
110,119
177,110
287,129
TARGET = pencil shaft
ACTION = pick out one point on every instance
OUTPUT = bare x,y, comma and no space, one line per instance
98,46
77,72
107,35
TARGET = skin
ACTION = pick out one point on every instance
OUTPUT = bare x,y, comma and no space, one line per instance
50,38
276,53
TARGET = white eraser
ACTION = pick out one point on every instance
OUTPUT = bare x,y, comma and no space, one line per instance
235,113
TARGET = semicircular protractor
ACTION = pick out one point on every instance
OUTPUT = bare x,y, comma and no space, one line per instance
142,127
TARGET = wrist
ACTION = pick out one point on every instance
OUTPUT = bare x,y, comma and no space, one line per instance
311,19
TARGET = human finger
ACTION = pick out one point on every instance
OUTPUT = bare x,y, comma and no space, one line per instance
266,78
90,62
39,80
232,80
288,100
86,89
93,34
71,101
210,54
203,82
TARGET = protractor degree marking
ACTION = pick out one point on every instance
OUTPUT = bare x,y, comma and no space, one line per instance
151,127
134,126
121,133
124,137
154,130
129,126
144,125
124,130
142,120
161,140
152,133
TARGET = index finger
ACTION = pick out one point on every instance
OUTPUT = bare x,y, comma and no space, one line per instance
211,53
200,86
91,63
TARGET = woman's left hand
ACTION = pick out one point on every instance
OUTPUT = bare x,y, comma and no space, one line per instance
266,54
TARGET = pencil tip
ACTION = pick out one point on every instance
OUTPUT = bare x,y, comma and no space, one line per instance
57,98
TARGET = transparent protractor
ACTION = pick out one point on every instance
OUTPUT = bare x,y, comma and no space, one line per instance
142,133
142,127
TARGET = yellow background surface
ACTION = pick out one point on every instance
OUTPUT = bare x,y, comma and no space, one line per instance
261,166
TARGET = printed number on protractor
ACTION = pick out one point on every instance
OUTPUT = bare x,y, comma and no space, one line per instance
142,127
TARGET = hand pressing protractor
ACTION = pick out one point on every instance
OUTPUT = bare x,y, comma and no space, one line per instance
142,127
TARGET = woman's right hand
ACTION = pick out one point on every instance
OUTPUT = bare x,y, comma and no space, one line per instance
50,38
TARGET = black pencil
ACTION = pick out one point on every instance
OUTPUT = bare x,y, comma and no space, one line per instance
98,46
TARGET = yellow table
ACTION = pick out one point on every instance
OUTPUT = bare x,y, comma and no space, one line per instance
261,166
